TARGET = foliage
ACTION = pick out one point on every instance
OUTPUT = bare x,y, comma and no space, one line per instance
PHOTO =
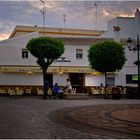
46,50
137,63
106,56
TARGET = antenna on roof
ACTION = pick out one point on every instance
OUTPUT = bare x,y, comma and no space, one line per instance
64,19
43,13
95,16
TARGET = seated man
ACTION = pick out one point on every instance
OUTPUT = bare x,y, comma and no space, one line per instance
55,90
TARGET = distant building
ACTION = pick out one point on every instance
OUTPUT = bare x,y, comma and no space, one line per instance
19,68
122,28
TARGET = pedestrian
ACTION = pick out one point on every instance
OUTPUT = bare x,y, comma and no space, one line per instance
68,86
101,85
55,90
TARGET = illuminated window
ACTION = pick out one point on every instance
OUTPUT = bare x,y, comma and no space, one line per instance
24,53
79,53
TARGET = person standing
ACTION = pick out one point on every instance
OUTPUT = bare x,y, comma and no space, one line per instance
68,86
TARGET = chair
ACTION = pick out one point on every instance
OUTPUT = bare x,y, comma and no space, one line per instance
109,90
49,91
28,91
73,90
124,91
11,91
3,91
40,91
95,91
19,91
102,90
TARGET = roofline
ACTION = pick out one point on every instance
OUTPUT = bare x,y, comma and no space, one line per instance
51,30
127,17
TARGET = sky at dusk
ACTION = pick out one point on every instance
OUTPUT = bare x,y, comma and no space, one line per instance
87,14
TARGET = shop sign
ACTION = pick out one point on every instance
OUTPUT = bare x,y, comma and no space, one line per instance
85,70
62,59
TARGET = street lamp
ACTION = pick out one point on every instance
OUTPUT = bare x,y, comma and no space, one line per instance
136,47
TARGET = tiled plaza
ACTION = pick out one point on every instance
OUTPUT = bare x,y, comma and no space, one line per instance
32,117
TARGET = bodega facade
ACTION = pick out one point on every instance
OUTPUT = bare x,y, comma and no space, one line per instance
19,67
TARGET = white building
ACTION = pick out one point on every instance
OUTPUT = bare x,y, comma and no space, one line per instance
18,67
122,28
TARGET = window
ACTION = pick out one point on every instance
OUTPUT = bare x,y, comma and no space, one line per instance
110,81
24,53
131,79
79,53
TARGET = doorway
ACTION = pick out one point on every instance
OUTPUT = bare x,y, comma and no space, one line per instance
50,79
78,81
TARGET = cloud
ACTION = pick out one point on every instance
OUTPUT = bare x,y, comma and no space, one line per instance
79,14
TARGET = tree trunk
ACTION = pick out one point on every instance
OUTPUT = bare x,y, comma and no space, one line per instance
44,70
105,85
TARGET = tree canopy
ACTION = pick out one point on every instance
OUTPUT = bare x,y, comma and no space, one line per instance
46,50
106,56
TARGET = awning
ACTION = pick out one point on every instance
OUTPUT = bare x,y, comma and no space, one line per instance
52,69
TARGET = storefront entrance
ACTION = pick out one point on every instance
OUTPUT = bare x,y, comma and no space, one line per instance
78,81
50,79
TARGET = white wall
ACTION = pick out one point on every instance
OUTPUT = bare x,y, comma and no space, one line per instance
131,57
127,27
60,79
120,78
70,54
20,79
11,51
91,80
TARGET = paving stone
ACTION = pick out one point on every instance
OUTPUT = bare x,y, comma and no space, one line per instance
29,118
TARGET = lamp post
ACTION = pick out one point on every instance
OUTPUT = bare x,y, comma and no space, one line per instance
136,47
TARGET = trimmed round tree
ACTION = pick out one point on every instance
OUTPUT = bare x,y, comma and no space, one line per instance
46,50
106,56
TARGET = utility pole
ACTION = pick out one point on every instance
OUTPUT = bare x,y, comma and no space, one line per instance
138,59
